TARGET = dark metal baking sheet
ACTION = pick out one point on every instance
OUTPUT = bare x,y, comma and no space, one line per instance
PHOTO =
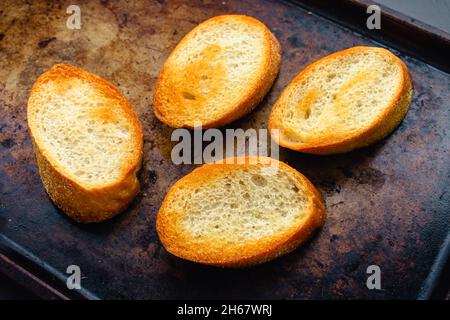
387,204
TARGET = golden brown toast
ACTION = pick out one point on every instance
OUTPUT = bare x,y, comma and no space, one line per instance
344,101
238,214
218,73
88,143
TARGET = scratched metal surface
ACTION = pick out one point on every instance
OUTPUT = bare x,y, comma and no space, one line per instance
388,204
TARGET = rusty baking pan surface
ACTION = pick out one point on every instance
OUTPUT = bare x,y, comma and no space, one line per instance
388,204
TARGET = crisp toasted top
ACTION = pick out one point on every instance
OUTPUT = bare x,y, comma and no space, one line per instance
214,68
228,211
339,96
84,126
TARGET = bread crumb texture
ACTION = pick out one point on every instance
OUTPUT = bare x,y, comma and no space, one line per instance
229,214
222,68
84,130
341,98
87,132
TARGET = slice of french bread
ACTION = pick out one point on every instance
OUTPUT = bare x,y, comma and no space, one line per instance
243,212
218,73
88,143
344,101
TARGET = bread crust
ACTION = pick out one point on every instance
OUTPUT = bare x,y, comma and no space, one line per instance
251,253
250,99
378,129
83,203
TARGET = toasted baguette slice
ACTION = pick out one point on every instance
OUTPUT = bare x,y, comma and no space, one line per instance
88,143
344,101
244,212
218,73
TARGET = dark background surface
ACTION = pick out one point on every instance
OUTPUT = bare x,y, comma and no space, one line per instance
9,290
436,14
433,12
